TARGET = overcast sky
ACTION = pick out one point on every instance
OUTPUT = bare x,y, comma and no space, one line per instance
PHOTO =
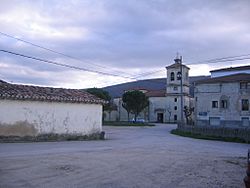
124,38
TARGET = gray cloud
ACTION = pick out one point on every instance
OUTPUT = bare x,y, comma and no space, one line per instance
127,36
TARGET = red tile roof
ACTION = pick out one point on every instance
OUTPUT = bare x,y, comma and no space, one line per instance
36,93
226,79
156,93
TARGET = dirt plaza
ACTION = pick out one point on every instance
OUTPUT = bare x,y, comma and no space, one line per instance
129,157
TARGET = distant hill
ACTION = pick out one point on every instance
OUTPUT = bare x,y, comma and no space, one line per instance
150,84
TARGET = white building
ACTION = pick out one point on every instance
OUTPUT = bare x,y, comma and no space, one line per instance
224,100
164,105
35,111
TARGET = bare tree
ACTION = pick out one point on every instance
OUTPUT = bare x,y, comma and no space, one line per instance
169,110
188,111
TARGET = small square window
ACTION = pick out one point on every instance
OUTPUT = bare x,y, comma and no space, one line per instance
175,99
175,108
175,88
214,104
245,121
244,105
243,85
224,104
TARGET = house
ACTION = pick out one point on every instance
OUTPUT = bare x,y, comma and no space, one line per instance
35,111
230,71
223,99
164,104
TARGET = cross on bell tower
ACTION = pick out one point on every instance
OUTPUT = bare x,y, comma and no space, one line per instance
178,58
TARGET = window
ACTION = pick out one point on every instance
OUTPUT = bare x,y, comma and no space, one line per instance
175,88
244,105
243,85
175,117
172,76
214,104
186,75
175,108
178,75
245,121
175,99
224,104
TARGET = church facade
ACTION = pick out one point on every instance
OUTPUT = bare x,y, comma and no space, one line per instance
164,105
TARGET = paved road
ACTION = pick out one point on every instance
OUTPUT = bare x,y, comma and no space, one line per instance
130,157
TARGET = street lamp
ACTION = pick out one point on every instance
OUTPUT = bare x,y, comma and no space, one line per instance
179,77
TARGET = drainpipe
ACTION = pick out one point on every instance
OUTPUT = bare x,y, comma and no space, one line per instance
181,91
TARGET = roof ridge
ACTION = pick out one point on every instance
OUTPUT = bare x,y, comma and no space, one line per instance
227,78
39,93
246,67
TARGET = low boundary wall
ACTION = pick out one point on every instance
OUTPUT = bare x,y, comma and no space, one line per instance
224,132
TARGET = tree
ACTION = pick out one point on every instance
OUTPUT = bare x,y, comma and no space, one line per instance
99,93
126,107
134,101
102,95
110,106
188,112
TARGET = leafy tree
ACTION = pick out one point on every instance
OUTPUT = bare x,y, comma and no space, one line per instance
135,102
102,95
126,107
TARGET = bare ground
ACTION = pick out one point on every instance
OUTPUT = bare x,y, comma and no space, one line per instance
130,157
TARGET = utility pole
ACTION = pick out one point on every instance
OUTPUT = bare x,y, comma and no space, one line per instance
181,91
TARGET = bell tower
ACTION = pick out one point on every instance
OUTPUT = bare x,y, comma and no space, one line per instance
175,73
176,96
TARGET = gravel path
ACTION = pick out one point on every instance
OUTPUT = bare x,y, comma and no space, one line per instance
130,157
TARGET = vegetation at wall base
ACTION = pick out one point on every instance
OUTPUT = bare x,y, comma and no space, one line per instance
205,137
52,138
125,123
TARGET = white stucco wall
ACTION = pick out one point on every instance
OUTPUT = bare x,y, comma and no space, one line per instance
154,104
121,114
51,117
111,116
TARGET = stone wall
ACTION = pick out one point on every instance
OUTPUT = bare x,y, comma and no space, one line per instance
224,123
224,132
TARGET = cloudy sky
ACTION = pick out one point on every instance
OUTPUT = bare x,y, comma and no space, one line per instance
126,38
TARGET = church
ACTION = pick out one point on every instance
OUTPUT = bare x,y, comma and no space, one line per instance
164,105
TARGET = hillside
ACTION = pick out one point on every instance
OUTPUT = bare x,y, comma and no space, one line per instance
150,84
